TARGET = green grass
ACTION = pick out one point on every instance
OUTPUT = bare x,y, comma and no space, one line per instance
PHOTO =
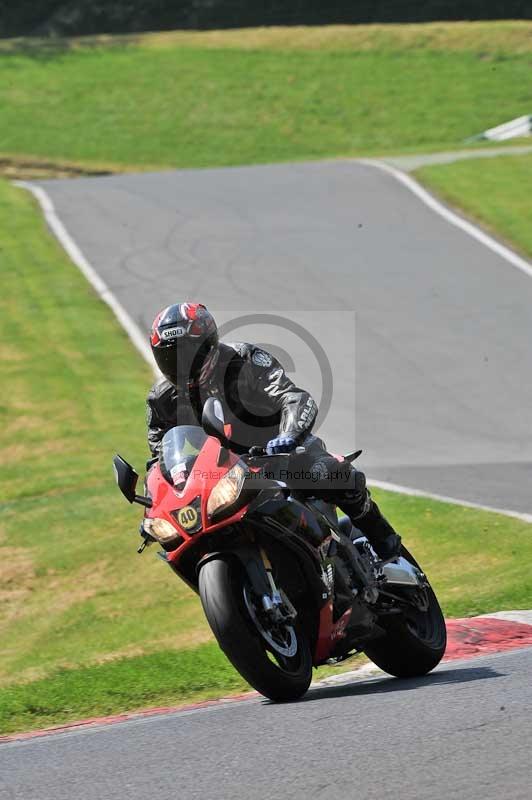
73,589
497,192
195,100
159,679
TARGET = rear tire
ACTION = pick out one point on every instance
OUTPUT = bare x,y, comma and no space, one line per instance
222,582
415,642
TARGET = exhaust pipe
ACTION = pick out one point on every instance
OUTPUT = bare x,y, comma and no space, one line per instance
402,573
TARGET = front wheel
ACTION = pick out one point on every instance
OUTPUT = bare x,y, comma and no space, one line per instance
274,658
415,639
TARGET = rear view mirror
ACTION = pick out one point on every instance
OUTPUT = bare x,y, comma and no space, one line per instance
212,419
127,478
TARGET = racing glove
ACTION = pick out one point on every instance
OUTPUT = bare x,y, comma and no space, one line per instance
281,444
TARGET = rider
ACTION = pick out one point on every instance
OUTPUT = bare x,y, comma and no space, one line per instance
262,405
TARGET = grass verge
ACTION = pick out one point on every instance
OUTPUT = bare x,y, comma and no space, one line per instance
160,679
234,97
73,590
496,192
87,626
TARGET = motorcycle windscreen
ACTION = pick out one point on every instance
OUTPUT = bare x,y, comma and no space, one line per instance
180,448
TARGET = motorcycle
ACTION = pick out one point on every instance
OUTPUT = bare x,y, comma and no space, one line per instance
285,584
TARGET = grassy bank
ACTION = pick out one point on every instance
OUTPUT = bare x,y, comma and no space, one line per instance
233,97
497,192
73,589
501,37
160,679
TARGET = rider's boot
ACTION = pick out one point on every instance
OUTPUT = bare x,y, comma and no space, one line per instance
380,534
382,537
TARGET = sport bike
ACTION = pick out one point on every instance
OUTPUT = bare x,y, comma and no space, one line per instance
284,583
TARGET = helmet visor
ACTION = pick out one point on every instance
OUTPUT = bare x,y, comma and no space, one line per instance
181,364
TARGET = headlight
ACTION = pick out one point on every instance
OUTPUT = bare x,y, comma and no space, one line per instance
226,491
163,531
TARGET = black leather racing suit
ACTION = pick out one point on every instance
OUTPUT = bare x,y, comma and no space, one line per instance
261,402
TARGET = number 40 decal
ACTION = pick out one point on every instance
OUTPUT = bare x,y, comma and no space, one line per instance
187,517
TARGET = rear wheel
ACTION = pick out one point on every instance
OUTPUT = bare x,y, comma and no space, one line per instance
416,639
273,656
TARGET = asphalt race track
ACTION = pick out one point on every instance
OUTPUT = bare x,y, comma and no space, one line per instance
443,379
463,732
438,359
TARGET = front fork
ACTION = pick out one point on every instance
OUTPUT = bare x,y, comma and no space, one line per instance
276,604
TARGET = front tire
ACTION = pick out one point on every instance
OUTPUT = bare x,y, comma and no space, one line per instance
415,641
224,592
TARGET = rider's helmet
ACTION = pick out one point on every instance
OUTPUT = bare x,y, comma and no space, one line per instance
184,341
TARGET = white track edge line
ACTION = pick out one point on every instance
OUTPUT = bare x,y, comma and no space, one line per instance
488,241
100,287
454,219
441,498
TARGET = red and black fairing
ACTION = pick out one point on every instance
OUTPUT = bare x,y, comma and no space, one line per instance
296,539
